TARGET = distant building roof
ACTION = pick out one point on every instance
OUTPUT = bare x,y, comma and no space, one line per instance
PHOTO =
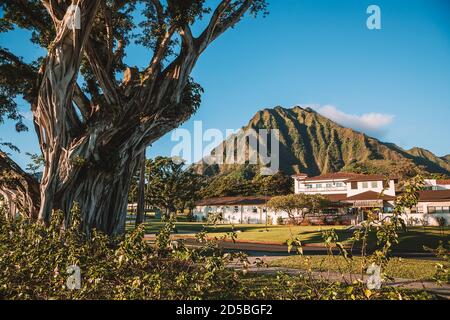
333,176
368,177
370,195
336,197
434,195
447,181
233,201
347,176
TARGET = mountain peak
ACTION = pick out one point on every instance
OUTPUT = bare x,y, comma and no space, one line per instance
313,144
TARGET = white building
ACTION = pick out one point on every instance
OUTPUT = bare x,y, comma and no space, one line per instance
348,184
352,196
433,206
236,210
360,192
434,184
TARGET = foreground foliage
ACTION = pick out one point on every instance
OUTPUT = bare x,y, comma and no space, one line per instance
34,262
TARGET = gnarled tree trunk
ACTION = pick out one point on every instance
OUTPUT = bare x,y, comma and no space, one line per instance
140,212
92,145
19,189
101,194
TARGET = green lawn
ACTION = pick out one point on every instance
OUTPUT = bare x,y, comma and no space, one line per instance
412,240
417,269
251,232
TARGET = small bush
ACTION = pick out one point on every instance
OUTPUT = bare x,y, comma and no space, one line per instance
280,221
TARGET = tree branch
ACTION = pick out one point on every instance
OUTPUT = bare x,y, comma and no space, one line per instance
104,77
219,24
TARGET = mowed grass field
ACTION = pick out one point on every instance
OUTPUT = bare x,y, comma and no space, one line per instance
412,240
416,269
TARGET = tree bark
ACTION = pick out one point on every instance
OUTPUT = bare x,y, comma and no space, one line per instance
19,189
101,193
141,192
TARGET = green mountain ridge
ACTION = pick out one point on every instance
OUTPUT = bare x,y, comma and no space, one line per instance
313,144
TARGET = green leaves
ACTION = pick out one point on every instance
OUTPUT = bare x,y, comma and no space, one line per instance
34,259
298,205
170,186
295,243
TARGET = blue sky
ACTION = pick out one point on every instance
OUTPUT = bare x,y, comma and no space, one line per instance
392,83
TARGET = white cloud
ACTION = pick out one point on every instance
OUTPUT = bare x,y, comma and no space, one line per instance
372,123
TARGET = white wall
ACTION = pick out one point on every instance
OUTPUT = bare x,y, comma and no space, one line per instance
300,187
417,219
390,191
244,212
433,183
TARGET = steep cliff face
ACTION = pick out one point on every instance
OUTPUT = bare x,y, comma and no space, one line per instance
313,144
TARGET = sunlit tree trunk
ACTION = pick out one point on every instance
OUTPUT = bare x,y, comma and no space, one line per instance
141,192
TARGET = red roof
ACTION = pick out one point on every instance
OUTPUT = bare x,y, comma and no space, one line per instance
370,195
333,176
447,181
434,195
233,201
336,197
368,177
348,176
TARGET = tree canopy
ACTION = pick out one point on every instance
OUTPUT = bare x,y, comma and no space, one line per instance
170,186
93,112
297,206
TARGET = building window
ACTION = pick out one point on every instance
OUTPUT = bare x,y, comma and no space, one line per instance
438,210
255,210
354,185
329,185
388,210
319,186
236,209
365,185
308,186
339,184
374,184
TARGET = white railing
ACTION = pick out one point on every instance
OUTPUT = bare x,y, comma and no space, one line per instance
322,189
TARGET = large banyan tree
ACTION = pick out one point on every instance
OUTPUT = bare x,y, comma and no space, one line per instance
94,115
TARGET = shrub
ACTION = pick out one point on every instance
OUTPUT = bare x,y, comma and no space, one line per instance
280,221
190,217
35,260
442,222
